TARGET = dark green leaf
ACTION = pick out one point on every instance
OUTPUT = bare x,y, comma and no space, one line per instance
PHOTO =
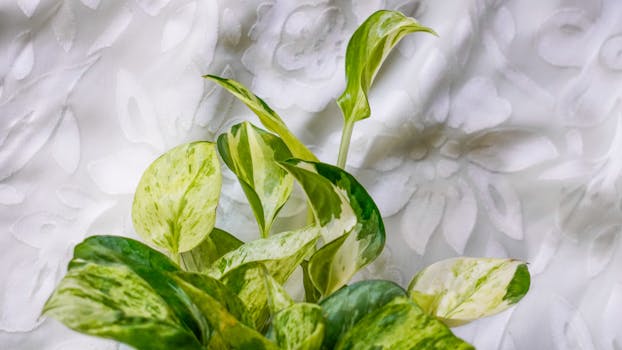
400,325
344,308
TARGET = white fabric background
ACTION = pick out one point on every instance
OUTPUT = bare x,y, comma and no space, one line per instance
501,137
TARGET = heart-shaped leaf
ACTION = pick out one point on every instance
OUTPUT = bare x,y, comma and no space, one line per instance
349,219
121,289
217,244
267,116
344,308
175,203
457,291
370,44
299,327
251,154
400,324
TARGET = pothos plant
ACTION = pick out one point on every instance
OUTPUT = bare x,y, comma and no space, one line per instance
214,291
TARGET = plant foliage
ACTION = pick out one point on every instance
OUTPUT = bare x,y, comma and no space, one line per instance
214,291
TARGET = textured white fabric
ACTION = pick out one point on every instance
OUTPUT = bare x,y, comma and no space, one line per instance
501,137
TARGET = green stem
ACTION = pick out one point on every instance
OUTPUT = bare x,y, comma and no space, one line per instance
346,135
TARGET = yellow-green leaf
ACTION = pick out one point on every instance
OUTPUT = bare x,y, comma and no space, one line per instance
251,153
267,116
121,289
280,253
233,333
175,203
368,47
460,290
400,325
350,221
299,327
262,295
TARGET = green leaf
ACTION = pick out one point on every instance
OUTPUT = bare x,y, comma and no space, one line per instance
344,308
119,288
461,290
400,325
259,291
219,291
251,153
266,115
370,44
280,253
175,203
217,244
233,334
351,223
299,327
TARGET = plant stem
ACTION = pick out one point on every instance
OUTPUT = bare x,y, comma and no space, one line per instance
346,135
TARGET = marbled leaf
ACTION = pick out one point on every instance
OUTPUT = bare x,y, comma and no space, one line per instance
251,153
232,333
121,289
350,221
344,308
175,203
460,290
299,327
399,325
217,244
369,46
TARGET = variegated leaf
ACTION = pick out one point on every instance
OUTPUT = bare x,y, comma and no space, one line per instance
251,153
344,308
368,47
232,333
299,327
217,244
175,203
266,115
280,253
400,325
350,221
262,295
460,290
121,289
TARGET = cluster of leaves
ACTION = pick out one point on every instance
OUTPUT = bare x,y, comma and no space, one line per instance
214,291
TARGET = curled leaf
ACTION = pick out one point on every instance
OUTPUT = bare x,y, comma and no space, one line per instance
267,116
175,203
461,290
369,46
251,154
349,219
